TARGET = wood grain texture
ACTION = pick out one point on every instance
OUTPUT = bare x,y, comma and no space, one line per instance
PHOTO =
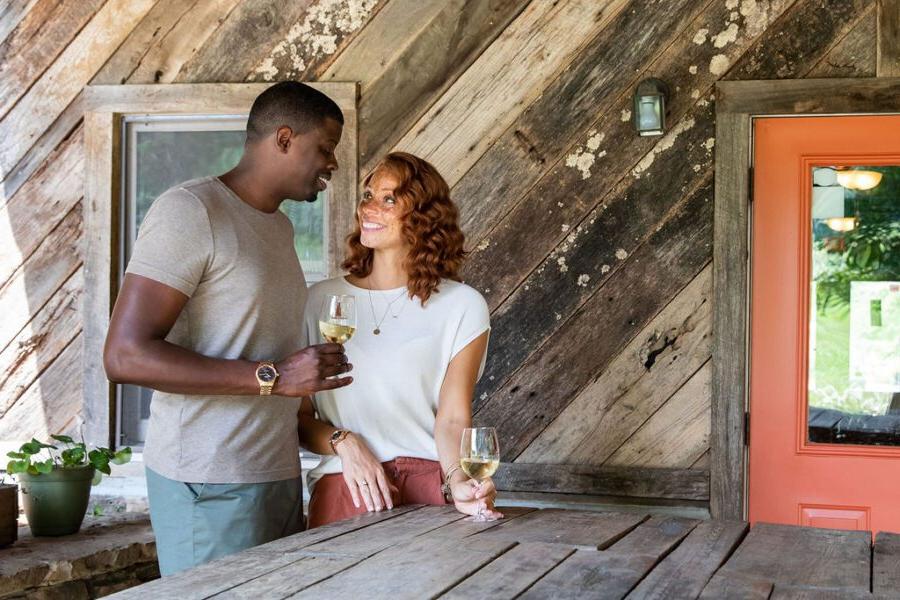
223,574
730,315
400,82
612,407
39,277
888,39
34,211
854,55
677,434
179,44
680,484
64,80
315,40
582,173
886,563
505,79
632,297
15,13
786,555
233,50
51,404
428,567
685,572
22,64
512,573
596,531
47,334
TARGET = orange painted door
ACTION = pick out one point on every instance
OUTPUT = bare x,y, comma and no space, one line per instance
824,444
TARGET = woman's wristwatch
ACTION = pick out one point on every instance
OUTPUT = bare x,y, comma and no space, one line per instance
445,487
337,437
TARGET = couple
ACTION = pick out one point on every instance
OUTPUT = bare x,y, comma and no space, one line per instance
211,315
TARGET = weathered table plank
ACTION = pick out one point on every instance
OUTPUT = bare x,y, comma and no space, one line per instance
464,528
612,573
685,572
230,571
420,568
886,564
292,578
512,573
431,551
578,528
379,536
795,556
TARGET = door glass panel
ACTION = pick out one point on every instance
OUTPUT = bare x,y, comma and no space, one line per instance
162,151
854,353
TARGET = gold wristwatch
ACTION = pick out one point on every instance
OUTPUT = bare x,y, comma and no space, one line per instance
266,375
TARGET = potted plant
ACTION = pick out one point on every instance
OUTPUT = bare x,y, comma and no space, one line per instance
9,512
56,490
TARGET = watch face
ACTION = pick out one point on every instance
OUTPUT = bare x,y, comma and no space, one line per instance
266,374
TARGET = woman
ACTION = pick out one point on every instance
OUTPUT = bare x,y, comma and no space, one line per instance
392,437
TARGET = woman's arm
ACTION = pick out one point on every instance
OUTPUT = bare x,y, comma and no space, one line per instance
455,414
363,474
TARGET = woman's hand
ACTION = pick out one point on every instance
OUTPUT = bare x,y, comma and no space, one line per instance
364,475
470,496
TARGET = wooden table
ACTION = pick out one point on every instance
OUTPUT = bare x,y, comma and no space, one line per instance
427,552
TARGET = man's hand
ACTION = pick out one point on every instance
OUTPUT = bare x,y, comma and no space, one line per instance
309,370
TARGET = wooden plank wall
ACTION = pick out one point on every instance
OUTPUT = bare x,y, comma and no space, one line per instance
592,246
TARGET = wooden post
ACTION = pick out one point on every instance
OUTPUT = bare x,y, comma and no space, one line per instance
888,53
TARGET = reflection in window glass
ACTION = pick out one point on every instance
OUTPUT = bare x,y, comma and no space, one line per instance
854,358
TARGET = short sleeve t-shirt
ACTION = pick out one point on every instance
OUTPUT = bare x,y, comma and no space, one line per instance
246,291
397,374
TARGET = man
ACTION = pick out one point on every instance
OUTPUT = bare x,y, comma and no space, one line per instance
210,315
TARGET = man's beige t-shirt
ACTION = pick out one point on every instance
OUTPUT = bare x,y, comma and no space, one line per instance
246,295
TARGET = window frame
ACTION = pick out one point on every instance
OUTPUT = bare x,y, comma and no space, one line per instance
106,107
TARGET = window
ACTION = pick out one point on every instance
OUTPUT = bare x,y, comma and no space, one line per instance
141,140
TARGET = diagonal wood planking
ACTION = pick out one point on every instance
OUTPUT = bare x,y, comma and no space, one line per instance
548,379
401,82
13,14
22,64
612,407
505,79
63,81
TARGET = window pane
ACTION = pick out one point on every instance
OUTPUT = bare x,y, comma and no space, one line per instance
854,365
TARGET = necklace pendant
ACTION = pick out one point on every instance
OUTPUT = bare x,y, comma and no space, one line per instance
376,331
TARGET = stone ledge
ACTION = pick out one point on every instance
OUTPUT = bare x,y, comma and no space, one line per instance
108,554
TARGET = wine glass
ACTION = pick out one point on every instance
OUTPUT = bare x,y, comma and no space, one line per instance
337,319
479,457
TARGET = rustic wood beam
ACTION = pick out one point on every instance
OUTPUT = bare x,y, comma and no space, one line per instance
888,53
678,484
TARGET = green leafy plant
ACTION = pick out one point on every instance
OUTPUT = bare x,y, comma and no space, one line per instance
36,457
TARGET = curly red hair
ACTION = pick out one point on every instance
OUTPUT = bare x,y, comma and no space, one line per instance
429,225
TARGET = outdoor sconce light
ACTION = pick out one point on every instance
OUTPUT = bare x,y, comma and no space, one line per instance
650,107
858,180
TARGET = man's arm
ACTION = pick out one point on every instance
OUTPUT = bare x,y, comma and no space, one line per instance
137,352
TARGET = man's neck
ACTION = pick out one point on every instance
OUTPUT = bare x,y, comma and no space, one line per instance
249,185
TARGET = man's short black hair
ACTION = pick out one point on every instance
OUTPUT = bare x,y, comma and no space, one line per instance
290,103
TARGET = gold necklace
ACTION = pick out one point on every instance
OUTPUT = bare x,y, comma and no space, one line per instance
387,309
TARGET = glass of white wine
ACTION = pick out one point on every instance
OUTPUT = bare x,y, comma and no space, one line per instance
337,319
479,457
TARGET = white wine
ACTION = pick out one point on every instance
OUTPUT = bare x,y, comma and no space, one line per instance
335,332
479,468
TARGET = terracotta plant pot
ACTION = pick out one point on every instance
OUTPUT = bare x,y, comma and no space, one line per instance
55,502
9,514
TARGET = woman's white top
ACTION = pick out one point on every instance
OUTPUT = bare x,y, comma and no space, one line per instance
397,374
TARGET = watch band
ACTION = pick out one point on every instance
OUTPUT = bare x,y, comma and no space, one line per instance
265,387
338,436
